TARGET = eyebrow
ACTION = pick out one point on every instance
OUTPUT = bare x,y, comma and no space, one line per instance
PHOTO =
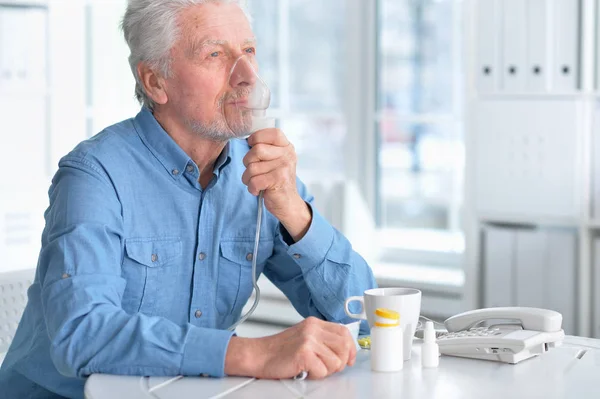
197,45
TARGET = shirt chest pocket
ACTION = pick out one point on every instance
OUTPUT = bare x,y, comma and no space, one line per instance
150,267
234,282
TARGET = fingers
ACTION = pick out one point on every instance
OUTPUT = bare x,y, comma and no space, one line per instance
271,165
346,338
271,136
260,168
332,363
317,359
331,343
266,152
315,367
273,180
340,346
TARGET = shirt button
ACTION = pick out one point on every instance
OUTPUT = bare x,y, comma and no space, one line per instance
154,257
297,256
201,256
249,256
66,275
190,169
198,313
175,172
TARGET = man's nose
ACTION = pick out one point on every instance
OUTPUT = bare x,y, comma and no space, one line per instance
243,74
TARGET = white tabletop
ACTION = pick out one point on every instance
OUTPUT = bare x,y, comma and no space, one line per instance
569,371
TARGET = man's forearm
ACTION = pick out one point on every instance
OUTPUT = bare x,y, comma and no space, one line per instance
297,221
242,357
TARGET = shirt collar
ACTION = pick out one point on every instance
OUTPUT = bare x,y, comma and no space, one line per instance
223,159
175,161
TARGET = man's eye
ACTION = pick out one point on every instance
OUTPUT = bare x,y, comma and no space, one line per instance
251,50
215,54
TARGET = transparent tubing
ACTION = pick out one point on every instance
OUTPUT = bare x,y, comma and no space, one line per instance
244,112
254,256
249,111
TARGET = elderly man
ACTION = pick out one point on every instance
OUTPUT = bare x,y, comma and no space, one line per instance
146,255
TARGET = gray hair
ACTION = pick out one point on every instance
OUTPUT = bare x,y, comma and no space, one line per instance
150,29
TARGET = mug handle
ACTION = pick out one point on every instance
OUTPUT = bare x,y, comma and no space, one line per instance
362,315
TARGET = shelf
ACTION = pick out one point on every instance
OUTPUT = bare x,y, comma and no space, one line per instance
593,224
526,222
540,95
24,3
25,92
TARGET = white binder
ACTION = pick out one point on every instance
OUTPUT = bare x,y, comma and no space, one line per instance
527,137
598,45
596,288
529,268
16,30
8,51
595,189
18,42
498,267
560,268
537,71
566,67
488,28
35,56
3,62
514,45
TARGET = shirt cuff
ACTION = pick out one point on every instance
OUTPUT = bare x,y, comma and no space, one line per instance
204,351
312,249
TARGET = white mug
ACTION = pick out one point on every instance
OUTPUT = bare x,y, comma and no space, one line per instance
406,301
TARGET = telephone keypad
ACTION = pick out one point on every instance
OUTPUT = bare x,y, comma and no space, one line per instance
473,332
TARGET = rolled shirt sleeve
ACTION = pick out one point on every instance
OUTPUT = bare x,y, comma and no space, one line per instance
82,289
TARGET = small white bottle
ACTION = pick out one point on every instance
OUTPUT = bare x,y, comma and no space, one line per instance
386,342
430,351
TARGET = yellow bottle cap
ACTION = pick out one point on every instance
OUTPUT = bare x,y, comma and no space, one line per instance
387,314
378,324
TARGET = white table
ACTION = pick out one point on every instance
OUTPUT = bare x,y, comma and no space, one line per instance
569,371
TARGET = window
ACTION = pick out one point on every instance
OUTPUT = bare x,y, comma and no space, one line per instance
301,51
418,102
419,129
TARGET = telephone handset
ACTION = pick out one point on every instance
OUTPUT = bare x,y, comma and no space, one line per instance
537,330
530,318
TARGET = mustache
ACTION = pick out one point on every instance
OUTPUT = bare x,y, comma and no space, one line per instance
237,94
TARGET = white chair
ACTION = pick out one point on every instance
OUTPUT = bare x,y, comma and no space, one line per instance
13,298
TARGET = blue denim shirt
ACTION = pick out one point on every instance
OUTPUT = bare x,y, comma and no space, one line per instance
142,271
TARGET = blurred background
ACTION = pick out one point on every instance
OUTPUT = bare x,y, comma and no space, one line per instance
454,160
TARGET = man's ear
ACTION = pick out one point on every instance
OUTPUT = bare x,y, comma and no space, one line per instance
154,85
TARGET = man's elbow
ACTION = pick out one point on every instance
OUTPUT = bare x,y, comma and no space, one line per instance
69,360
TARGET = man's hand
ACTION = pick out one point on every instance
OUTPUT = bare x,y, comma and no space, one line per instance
318,347
271,166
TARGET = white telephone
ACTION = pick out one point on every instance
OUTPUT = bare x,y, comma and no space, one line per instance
536,331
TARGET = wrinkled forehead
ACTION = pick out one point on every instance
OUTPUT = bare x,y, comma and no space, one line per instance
223,23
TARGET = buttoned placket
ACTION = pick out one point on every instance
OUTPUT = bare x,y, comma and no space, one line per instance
202,295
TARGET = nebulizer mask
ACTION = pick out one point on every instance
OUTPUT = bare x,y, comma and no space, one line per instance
244,111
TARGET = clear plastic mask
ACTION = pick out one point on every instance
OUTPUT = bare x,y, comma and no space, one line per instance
244,109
